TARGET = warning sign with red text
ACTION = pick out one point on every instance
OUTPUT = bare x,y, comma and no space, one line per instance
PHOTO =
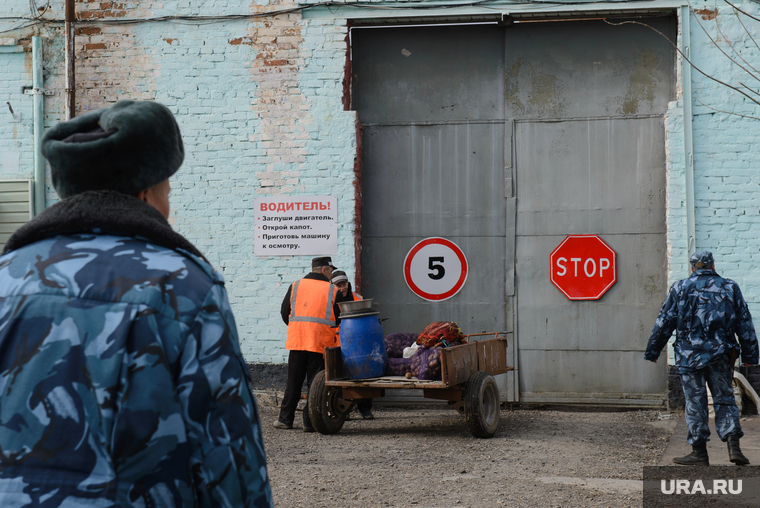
296,226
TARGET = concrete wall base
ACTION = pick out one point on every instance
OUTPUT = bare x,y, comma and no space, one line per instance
266,376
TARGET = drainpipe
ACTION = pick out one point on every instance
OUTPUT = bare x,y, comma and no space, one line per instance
70,80
691,235
38,93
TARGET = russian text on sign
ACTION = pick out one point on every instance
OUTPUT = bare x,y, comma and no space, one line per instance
283,218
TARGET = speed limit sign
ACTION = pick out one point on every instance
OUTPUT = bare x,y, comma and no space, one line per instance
435,269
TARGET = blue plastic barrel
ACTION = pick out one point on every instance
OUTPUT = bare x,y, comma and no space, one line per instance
362,346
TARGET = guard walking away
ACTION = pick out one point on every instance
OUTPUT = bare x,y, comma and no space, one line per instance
311,311
122,378
707,312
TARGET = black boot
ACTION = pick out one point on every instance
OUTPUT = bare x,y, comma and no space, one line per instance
697,457
735,454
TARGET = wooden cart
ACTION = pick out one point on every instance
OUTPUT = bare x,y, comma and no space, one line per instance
467,383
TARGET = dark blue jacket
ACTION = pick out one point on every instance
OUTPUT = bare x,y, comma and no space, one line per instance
121,374
707,313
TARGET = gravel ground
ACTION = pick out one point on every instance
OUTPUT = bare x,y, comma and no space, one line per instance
425,457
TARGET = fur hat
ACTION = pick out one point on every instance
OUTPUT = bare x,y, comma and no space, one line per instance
128,147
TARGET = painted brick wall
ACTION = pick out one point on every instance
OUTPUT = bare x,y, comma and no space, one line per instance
16,156
726,167
259,103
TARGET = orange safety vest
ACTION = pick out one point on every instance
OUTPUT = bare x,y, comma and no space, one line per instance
312,320
357,296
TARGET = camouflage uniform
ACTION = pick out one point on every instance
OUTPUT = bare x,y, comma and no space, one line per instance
707,313
120,369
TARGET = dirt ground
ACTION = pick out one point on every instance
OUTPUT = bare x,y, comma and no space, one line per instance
425,457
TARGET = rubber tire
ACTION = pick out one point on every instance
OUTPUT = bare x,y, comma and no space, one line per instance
324,418
481,404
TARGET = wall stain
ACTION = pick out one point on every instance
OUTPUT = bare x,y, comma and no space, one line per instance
242,40
512,87
532,92
652,287
706,14
547,94
642,82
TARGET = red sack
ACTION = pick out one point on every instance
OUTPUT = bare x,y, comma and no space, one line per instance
438,331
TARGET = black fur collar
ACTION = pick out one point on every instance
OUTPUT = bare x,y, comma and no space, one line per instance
102,212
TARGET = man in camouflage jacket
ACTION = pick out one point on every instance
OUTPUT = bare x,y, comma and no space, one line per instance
707,312
120,369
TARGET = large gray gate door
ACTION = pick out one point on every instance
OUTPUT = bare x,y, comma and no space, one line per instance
589,101
431,101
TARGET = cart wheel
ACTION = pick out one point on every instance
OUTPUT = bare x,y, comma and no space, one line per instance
323,412
481,404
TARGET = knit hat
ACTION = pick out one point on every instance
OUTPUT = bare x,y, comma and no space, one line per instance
702,259
128,147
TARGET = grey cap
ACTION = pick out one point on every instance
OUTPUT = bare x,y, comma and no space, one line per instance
702,259
128,147
322,261
339,276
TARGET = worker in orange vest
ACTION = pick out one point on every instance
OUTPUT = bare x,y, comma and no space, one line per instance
311,312
340,280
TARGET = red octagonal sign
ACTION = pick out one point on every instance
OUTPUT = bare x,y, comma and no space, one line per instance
583,267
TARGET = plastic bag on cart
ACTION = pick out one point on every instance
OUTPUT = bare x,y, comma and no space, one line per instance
438,331
411,350
396,342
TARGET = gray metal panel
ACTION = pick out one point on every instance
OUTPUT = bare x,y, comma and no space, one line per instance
432,104
433,180
428,74
557,376
591,176
595,176
619,321
590,159
428,97
589,68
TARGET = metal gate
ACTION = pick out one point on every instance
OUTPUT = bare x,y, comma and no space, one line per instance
504,140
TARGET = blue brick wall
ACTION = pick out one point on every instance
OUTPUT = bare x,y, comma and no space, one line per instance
259,105
726,169
255,129
726,177
261,115
16,156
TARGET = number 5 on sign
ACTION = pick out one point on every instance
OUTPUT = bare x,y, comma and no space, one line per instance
435,269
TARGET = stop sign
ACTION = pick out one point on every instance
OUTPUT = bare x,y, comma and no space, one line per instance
583,267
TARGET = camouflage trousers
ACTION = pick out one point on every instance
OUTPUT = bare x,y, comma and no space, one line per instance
719,377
